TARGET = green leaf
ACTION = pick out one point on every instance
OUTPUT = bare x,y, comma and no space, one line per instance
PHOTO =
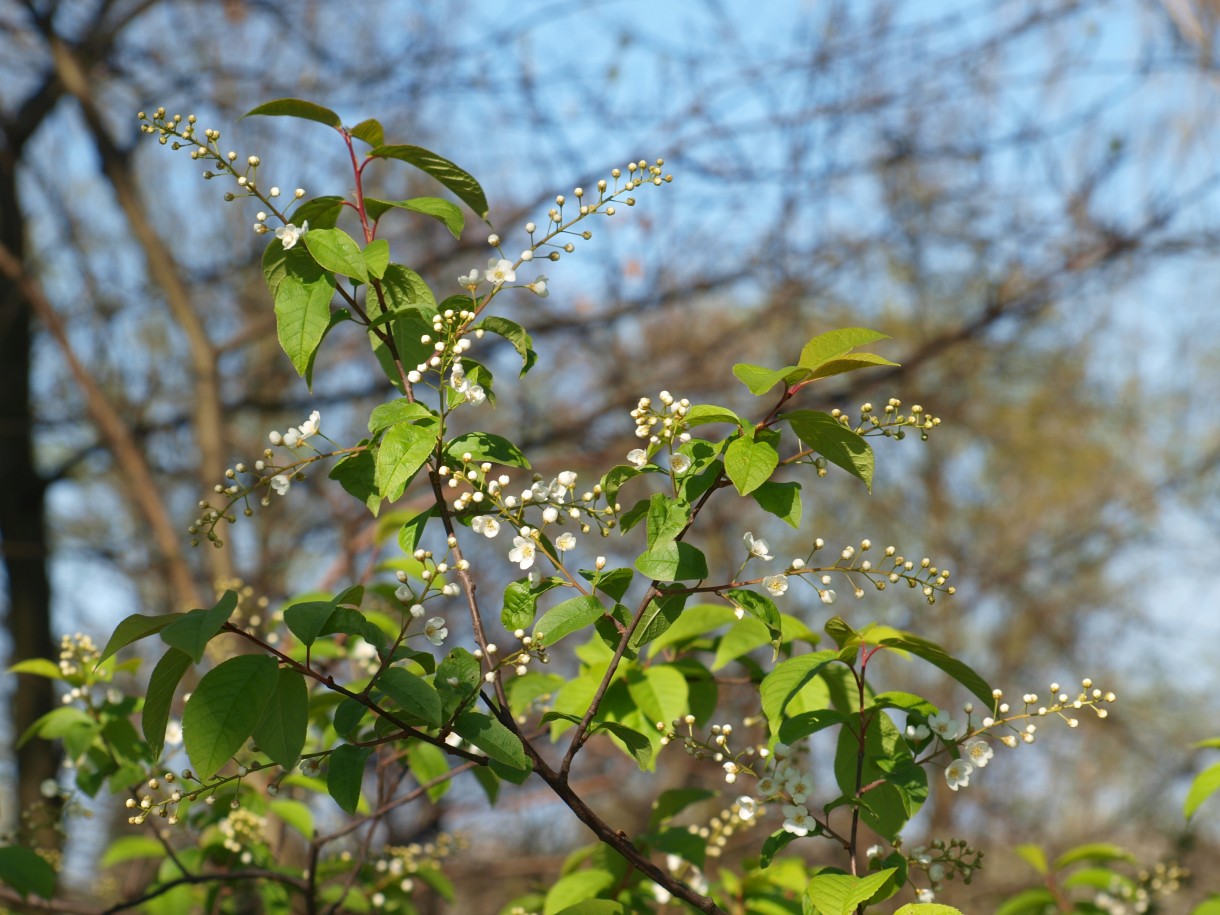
57,723
131,848
336,251
1204,785
438,208
320,213
162,685
660,614
774,844
413,694
637,744
224,708
575,888
401,410
345,775
780,499
759,606
570,616
749,462
833,344
132,629
357,474
302,316
673,801
195,629
703,414
404,449
595,907
370,131
938,657
428,763
1028,902
296,108
493,738
798,727
412,530
840,894
1096,852
485,446
337,317
612,582
849,364
460,182
295,813
673,561
281,733
307,619
666,518
759,379
936,908
41,667
515,334
659,692
26,872
521,602
458,677
376,257
838,444
787,679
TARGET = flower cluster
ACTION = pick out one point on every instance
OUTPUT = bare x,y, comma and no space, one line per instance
891,423
941,861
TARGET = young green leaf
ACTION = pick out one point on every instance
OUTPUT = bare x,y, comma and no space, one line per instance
370,131
1203,786
345,774
224,709
337,252
759,606
132,629
493,738
515,334
296,108
195,629
281,733
938,657
377,257
456,179
403,450
571,891
833,344
444,211
159,697
702,414
302,316
673,561
841,894
839,445
659,692
337,317
357,474
666,518
39,667
410,533
774,844
413,695
760,379
570,616
458,677
397,411
485,446
750,461
787,679
307,619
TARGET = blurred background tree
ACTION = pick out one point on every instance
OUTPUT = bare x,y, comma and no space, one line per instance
1022,194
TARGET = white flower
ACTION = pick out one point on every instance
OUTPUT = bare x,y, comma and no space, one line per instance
173,733
275,438
746,806
874,851
917,732
827,596
522,552
500,271
944,727
404,593
925,895
978,751
280,483
566,479
766,787
290,234
485,525
470,280
799,786
49,788
781,751
565,541
538,287
435,631
417,610
757,548
679,464
637,456
310,426
776,584
475,395
550,514
797,820
534,577
957,774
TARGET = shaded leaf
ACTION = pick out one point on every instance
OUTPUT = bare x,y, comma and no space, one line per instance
296,108
159,697
132,629
195,629
224,708
281,733
345,775
447,173
841,446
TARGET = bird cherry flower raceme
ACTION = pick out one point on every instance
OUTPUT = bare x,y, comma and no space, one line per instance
289,235
756,548
957,774
500,271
